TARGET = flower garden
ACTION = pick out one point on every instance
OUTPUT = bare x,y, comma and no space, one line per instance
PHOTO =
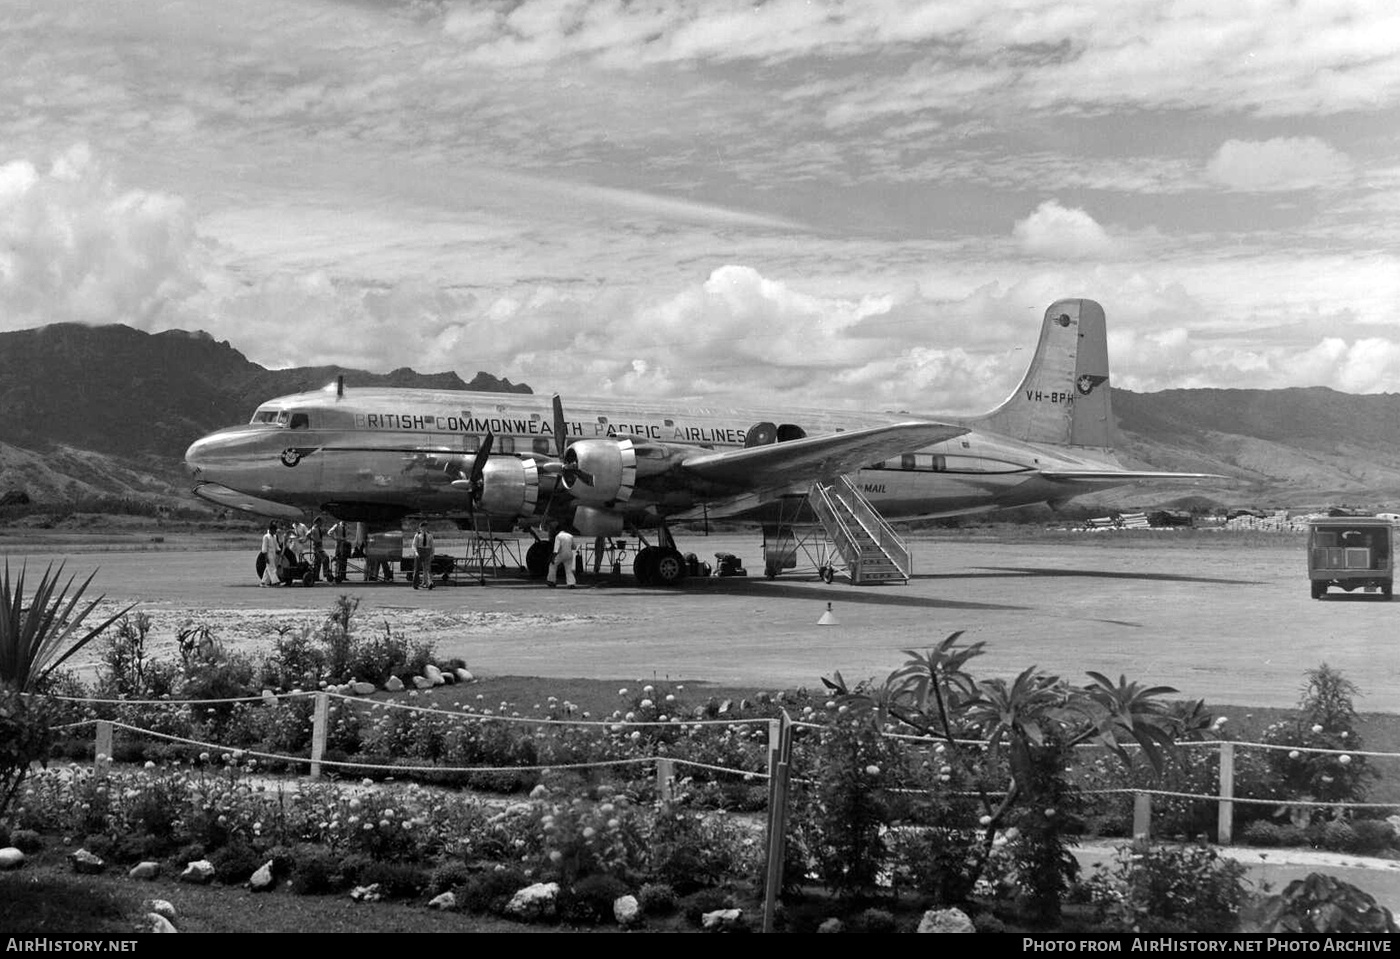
933,796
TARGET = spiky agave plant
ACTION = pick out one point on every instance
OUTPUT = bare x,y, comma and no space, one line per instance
37,638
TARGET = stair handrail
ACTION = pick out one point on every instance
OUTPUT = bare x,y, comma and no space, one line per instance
890,542
846,542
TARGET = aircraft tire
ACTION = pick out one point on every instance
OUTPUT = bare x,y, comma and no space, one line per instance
537,559
668,567
644,566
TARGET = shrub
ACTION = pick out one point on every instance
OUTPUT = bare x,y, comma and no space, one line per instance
314,870
236,862
396,880
448,877
1262,832
1336,836
489,892
876,920
590,901
695,905
1373,836
1171,889
1319,904
657,899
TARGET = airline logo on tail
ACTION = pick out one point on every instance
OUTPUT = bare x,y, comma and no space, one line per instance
1086,383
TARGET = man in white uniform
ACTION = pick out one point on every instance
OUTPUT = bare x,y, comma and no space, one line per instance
563,556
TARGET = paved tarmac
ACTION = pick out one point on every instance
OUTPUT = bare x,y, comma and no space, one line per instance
1230,623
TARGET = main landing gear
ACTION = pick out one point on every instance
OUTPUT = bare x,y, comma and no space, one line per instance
660,565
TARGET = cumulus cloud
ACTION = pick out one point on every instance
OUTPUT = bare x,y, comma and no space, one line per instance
74,247
1061,232
1280,164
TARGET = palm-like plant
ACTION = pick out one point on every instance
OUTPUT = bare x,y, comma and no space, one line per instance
37,638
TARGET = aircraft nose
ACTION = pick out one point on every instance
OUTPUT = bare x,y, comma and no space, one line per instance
197,456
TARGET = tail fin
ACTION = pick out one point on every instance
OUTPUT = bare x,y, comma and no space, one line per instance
1064,397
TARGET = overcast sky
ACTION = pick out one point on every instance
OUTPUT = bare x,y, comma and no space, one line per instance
814,203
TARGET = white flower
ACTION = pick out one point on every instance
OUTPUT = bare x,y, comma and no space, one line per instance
872,770
622,691
1293,754
150,764
645,704
648,690
985,821
1317,727
1343,759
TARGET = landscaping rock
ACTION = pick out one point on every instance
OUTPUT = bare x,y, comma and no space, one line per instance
368,893
85,862
464,675
269,697
155,922
534,902
721,920
394,684
162,907
946,920
200,872
262,880
433,675
831,925
626,911
11,858
145,870
422,682
362,688
445,902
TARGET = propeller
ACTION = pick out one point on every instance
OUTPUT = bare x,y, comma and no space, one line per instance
473,483
561,444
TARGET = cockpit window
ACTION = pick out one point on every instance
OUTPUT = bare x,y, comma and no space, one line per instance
265,416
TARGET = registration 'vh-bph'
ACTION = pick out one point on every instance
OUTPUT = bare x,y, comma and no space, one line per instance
501,461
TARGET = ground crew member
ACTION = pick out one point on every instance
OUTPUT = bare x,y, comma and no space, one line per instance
320,562
423,556
563,556
340,537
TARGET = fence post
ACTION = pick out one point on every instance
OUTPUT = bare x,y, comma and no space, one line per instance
1225,823
665,779
1142,815
779,762
102,749
319,723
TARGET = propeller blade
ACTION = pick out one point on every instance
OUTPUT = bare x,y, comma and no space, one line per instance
561,427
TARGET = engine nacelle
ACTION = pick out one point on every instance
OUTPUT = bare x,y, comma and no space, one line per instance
594,521
611,466
509,486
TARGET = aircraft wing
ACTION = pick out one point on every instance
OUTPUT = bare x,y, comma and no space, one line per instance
1112,477
814,457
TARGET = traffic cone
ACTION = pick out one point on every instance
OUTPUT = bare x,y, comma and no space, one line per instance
828,618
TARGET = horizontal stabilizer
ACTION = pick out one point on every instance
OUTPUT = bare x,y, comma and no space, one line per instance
231,498
815,457
1117,477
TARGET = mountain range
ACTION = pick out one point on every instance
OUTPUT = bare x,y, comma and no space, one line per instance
93,410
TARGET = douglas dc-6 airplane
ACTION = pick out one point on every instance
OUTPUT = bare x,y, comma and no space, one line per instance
500,461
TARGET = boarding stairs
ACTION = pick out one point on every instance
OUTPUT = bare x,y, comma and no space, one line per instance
873,551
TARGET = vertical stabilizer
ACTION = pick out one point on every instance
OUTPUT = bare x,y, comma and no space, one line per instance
1064,398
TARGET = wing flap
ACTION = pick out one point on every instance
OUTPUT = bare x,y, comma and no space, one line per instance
815,457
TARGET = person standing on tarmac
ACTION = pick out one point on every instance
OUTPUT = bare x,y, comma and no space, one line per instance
563,556
316,540
271,556
341,539
423,556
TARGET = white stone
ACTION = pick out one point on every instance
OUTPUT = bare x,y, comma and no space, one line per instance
946,920
433,675
534,902
162,907
626,911
464,675
262,880
445,902
362,688
394,684
721,919
145,870
199,872
368,893
155,922
831,925
11,858
269,697
422,682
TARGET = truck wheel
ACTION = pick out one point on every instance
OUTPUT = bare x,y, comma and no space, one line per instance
1385,589
1319,590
